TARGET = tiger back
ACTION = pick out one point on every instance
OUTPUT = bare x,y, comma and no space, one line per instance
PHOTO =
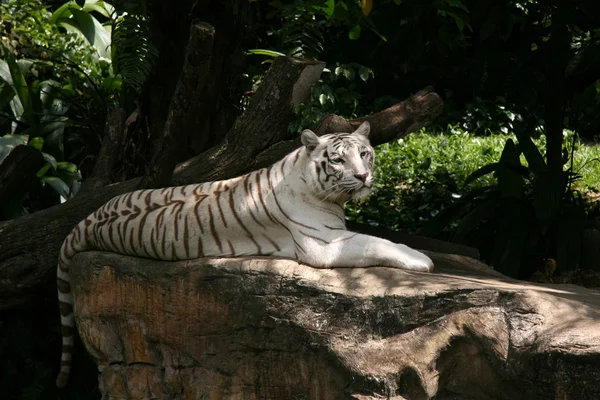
292,209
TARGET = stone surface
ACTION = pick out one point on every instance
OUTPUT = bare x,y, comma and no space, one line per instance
276,329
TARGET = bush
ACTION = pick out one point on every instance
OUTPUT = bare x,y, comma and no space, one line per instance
421,175
54,90
481,191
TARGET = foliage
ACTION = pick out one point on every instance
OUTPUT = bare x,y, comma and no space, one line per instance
56,85
57,98
481,54
39,121
132,52
421,175
484,191
80,20
532,210
53,88
29,33
338,92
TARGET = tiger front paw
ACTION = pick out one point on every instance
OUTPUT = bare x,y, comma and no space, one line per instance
414,260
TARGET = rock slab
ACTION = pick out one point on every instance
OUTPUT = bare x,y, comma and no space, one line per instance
258,328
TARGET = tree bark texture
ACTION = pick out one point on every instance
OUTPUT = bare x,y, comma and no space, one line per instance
26,264
102,174
214,113
263,328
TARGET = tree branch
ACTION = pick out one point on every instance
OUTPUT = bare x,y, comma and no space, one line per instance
390,124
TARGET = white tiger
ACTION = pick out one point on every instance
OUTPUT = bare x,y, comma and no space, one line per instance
293,208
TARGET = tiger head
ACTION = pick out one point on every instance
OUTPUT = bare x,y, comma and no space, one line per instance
340,165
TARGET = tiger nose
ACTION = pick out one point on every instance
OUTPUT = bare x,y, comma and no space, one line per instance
362,177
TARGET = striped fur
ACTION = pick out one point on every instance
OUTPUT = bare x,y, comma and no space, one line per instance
293,208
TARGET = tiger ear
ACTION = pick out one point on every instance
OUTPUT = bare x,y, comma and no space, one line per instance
364,129
310,139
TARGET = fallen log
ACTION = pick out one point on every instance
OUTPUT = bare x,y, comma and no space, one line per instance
262,328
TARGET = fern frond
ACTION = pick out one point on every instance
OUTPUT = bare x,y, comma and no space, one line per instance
133,54
301,32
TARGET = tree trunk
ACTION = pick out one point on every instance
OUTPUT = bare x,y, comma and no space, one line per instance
257,328
184,103
102,174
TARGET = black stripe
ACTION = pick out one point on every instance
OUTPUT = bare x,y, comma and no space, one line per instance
248,193
334,228
141,244
63,286
218,199
66,309
260,197
297,155
153,244
239,220
325,241
198,202
213,231
163,243
273,243
67,331
281,209
186,238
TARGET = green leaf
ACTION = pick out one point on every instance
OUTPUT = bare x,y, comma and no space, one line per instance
328,8
264,52
21,89
43,170
533,156
37,143
58,185
9,142
50,160
83,23
6,94
5,73
364,73
354,33
101,7
63,12
66,167
457,4
322,99
47,96
483,171
349,73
